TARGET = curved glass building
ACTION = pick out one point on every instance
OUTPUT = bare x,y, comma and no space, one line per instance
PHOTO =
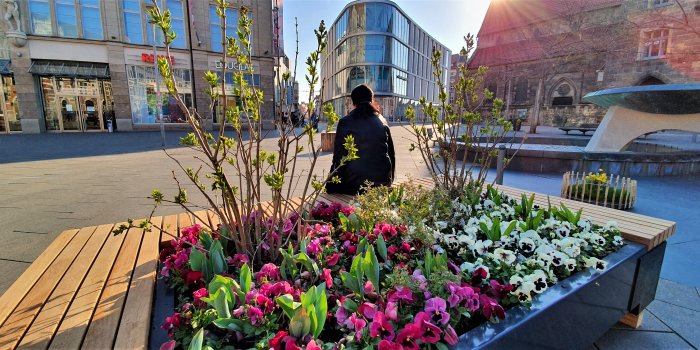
374,42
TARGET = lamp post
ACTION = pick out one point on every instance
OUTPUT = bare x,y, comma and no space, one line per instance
156,75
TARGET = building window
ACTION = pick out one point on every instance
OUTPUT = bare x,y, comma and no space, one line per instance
215,27
143,93
133,28
521,92
91,19
73,18
654,44
40,14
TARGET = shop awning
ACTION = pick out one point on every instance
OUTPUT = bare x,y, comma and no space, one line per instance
5,67
70,69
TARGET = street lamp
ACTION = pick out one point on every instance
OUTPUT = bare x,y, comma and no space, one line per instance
159,101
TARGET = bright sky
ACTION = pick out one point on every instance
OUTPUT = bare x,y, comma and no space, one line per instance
448,21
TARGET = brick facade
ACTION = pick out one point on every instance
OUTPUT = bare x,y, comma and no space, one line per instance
574,50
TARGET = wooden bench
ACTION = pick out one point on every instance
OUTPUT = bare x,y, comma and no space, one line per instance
90,289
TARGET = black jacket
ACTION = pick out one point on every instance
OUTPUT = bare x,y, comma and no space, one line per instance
375,150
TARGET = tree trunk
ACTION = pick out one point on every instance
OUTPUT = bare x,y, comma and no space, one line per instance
508,88
536,107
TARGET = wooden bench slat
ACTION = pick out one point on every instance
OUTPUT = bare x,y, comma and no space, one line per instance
75,323
184,220
46,323
105,321
14,295
17,323
136,317
215,220
169,225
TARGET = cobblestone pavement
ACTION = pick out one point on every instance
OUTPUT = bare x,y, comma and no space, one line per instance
53,182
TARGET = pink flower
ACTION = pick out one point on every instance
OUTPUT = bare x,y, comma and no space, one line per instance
238,260
368,287
392,311
435,307
381,327
429,333
408,336
450,336
171,323
313,248
341,315
168,345
417,276
358,324
256,316
277,341
332,260
500,291
326,276
368,310
198,295
269,272
312,346
401,293
388,345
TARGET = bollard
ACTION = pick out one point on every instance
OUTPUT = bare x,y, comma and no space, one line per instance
500,164
110,128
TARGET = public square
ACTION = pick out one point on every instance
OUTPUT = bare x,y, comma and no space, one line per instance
63,181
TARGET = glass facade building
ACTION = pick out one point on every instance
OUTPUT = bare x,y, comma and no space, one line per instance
373,42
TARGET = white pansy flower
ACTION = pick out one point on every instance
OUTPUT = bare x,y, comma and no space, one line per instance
595,263
504,255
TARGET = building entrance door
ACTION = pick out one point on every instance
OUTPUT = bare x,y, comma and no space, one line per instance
79,113
9,107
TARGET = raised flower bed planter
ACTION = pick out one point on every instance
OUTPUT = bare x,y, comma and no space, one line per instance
597,188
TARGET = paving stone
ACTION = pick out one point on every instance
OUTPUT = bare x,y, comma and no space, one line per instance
678,294
649,323
681,320
618,339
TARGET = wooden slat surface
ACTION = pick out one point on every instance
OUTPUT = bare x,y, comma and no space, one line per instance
105,322
169,225
14,328
25,282
46,323
184,220
75,323
136,316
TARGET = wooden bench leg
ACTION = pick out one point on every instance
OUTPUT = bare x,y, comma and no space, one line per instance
633,320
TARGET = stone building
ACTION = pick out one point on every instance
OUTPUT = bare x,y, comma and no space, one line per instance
545,55
72,65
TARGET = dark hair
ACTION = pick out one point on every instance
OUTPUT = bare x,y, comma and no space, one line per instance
363,99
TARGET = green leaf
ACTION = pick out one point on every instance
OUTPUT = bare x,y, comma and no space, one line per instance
228,285
381,247
246,279
217,258
371,266
288,305
313,318
220,303
344,223
321,310
510,228
350,282
197,259
310,265
441,346
197,340
350,305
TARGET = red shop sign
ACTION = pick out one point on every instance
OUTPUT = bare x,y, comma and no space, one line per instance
148,57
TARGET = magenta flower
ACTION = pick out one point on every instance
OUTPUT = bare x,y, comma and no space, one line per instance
326,276
408,336
256,316
368,287
341,315
358,324
312,346
500,291
400,293
436,307
450,336
429,333
417,276
490,307
391,311
332,260
367,310
388,345
269,272
198,295
238,260
381,327
313,248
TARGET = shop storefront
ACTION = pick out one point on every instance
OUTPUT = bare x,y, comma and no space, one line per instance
9,105
228,97
76,96
144,85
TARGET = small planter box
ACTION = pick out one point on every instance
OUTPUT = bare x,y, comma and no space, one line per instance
617,192
327,141
575,312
